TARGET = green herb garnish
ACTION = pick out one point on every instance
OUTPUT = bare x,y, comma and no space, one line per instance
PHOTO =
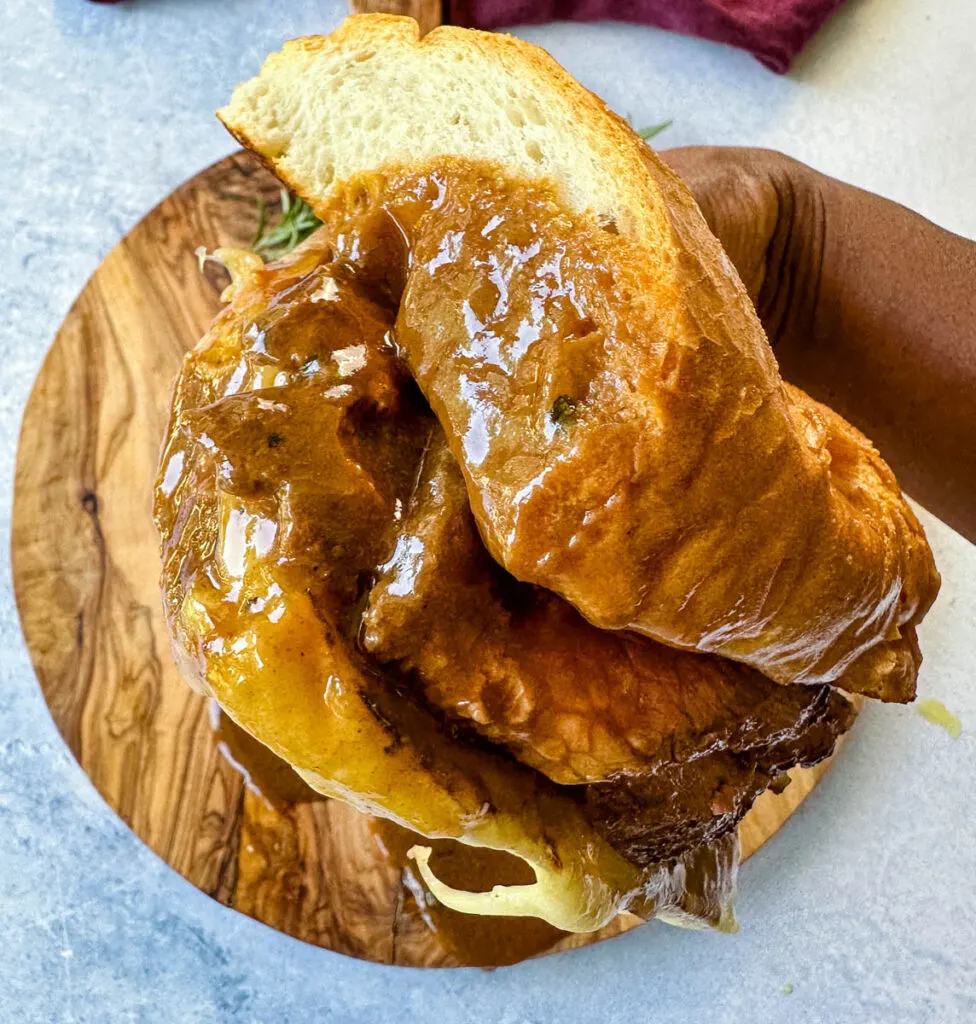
563,411
274,440
655,129
296,224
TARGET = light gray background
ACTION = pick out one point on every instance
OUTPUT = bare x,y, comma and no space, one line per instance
865,904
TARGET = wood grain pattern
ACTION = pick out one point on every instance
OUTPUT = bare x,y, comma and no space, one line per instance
427,13
86,568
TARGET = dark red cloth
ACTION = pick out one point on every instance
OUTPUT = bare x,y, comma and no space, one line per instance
774,30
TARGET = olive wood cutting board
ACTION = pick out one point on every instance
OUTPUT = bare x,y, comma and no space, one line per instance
222,812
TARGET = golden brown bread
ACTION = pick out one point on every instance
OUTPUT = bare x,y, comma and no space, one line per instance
696,498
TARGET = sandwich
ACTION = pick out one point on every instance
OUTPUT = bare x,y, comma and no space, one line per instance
487,509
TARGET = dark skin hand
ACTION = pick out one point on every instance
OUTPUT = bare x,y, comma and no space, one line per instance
871,309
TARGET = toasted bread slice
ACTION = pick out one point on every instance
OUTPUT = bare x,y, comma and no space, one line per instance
327,108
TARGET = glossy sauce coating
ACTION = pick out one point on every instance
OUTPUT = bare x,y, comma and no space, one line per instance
293,446
298,553
367,512
264,773
686,741
468,941
627,442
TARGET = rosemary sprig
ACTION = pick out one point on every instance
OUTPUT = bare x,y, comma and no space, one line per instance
296,224
655,129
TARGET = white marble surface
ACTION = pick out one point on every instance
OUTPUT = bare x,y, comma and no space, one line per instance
865,904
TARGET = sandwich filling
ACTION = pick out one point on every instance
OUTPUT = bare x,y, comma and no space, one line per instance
324,492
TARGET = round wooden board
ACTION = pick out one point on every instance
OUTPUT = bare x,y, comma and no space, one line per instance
86,568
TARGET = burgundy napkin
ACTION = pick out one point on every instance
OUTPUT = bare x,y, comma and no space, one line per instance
773,30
